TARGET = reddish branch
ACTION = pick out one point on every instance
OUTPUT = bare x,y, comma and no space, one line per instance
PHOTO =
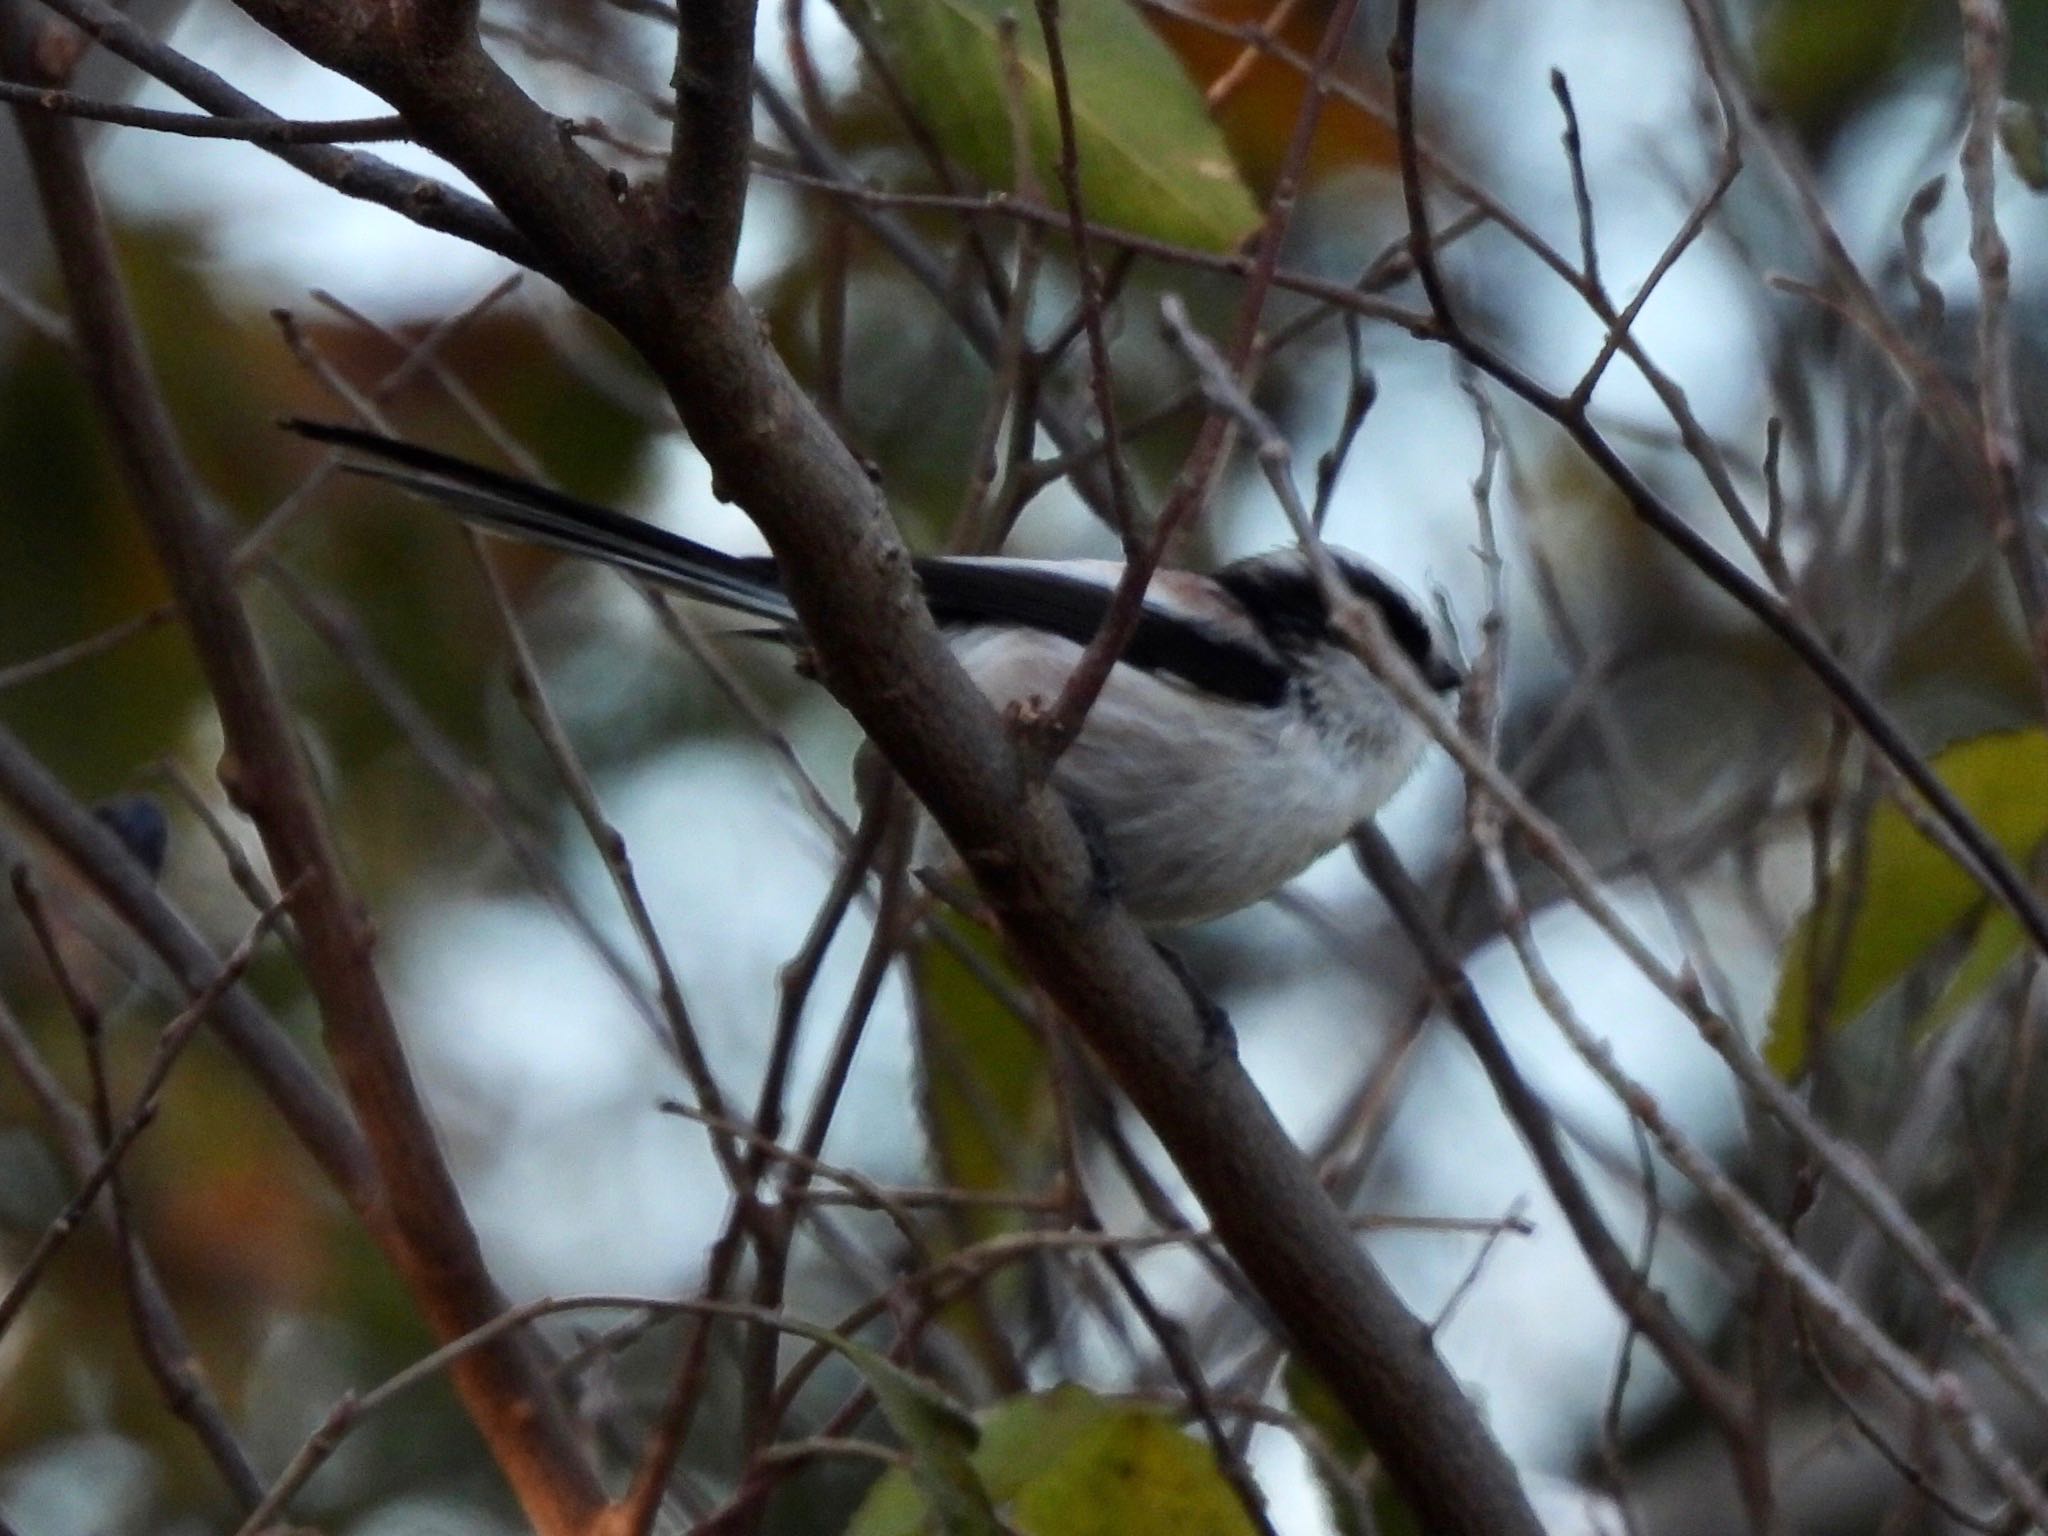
421,1222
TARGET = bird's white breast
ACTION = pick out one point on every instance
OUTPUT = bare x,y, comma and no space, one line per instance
1207,806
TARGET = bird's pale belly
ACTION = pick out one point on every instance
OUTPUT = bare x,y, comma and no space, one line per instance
1200,836
1204,806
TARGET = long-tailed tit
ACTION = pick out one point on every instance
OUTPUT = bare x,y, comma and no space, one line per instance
1237,740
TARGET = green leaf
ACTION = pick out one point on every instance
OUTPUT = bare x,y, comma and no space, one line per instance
1151,160
1996,941
1070,1463
1913,896
988,1087
1310,1397
1132,1474
938,1433
985,1093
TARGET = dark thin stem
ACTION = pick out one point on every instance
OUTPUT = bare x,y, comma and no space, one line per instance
1353,298
148,1099
1582,196
1639,1301
1198,473
1101,381
303,1100
198,125
974,319
87,1142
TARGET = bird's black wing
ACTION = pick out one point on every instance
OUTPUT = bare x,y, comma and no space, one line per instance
966,593
962,593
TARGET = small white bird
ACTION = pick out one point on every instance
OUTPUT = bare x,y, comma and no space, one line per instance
1237,740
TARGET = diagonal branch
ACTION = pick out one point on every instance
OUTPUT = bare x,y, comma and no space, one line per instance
849,576
159,1332
148,1100
259,1042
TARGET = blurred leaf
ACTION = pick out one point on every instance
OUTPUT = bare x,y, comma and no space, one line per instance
2026,56
1133,1474
1310,1397
2023,130
1261,90
1996,941
1152,161
73,562
1070,1463
986,1091
987,1083
1817,58
1913,895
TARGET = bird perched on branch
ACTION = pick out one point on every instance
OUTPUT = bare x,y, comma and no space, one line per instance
1238,738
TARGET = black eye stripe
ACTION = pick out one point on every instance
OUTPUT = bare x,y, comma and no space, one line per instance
1410,631
1282,598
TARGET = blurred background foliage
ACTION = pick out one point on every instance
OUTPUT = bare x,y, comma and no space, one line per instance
286,1302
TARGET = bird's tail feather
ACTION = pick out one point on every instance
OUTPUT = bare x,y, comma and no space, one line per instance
521,509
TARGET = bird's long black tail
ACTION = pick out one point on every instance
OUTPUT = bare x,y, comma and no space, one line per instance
520,509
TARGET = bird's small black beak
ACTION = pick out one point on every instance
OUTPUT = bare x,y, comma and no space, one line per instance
1441,673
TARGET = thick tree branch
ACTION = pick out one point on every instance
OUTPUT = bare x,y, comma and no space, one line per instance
1634,1295
849,575
428,1235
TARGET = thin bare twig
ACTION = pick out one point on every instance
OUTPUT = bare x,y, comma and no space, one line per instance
1211,448
2013,528
1124,518
198,125
85,1140
1991,865
427,202
148,1099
